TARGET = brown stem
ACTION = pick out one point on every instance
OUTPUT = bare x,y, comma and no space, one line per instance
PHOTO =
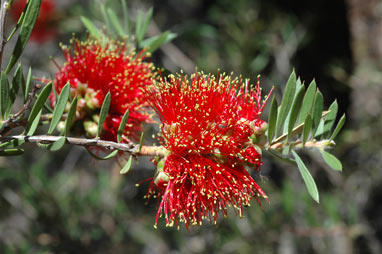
131,148
309,144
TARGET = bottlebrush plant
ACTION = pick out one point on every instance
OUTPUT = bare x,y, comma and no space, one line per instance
213,131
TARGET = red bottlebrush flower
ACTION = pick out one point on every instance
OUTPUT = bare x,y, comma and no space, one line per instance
206,127
93,70
44,28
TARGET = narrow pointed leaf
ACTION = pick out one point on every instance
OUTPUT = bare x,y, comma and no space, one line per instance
15,143
320,129
59,108
71,116
153,43
307,102
141,140
122,126
37,107
307,128
308,179
19,22
115,22
295,110
12,152
338,127
93,30
127,166
125,16
330,118
18,79
286,102
317,111
57,145
106,19
4,94
103,113
33,124
138,25
272,118
27,25
299,84
331,160
97,157
143,24
27,84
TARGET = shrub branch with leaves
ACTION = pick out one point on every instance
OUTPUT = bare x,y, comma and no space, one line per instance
211,131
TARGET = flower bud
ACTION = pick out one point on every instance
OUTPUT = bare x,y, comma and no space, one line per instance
252,155
91,101
91,128
161,178
61,126
259,127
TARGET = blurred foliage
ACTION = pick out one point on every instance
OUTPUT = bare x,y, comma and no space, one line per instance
68,203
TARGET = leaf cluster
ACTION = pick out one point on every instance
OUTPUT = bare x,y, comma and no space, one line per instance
300,122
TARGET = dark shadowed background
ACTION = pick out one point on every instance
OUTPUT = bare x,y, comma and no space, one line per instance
66,202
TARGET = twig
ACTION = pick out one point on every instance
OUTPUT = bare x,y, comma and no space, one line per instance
131,148
298,129
14,120
309,144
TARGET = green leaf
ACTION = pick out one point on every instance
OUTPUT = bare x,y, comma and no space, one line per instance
125,16
93,30
320,130
338,127
307,102
317,111
141,26
59,108
127,166
70,117
4,95
307,128
308,179
153,43
15,143
122,125
138,25
57,145
19,21
27,25
295,110
330,118
141,140
37,107
272,118
27,84
109,156
103,113
331,160
114,21
12,152
18,79
106,19
33,124
286,102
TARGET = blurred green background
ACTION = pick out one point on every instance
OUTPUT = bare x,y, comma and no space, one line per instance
66,202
